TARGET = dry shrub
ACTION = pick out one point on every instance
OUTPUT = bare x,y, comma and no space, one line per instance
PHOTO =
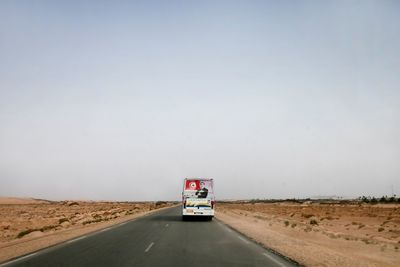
25,232
60,221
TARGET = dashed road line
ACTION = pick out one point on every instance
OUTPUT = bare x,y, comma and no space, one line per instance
248,242
224,226
274,260
149,247
19,259
243,239
76,239
167,225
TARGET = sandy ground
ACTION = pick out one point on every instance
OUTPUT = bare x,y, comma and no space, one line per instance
315,234
27,225
19,200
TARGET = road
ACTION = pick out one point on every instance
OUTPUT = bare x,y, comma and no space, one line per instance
158,239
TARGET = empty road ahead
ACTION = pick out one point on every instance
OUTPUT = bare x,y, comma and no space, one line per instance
159,239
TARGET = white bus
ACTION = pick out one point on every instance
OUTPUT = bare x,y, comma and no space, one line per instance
198,198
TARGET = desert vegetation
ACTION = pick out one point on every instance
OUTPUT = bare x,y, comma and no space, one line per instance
28,223
322,232
22,220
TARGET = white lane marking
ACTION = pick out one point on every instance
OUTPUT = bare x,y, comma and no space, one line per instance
105,229
167,225
244,240
19,259
224,226
149,247
274,260
76,239
122,223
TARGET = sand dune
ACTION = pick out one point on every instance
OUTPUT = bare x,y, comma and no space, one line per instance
21,201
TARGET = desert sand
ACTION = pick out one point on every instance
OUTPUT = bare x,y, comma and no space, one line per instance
20,200
315,234
27,225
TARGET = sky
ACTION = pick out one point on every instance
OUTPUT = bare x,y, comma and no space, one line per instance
121,100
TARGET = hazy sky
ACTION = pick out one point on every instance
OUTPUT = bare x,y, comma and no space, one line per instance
123,99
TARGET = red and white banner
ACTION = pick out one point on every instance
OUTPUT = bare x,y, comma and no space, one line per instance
198,184
192,185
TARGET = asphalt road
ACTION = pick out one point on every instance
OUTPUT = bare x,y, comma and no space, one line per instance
159,239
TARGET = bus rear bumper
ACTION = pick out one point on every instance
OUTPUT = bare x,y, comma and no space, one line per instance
198,212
